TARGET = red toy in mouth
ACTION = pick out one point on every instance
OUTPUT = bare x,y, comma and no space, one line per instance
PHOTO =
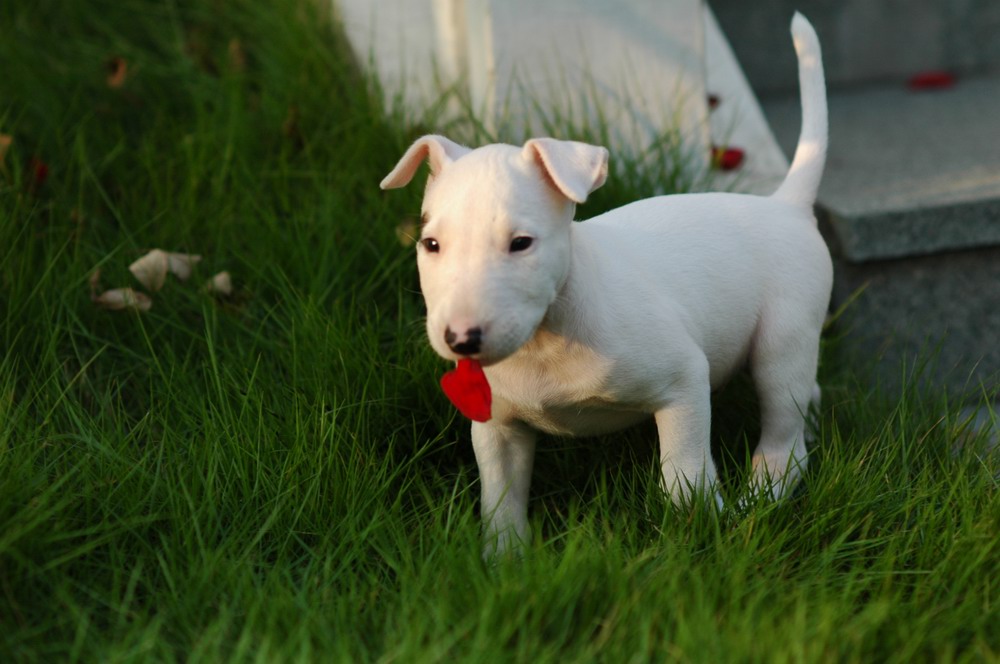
466,386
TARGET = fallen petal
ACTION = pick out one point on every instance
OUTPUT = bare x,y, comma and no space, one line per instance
117,299
932,80
181,264
726,159
151,269
39,171
220,284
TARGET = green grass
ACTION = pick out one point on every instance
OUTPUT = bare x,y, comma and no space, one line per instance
275,476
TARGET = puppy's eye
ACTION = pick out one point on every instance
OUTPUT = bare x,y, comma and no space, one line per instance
431,245
520,243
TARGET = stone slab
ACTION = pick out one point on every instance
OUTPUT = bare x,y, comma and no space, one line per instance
910,204
864,41
908,173
945,306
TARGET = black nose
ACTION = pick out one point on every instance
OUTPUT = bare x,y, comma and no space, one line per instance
469,345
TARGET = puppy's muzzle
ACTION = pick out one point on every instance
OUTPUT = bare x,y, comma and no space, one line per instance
467,343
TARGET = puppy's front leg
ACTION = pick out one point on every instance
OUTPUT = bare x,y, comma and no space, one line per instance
505,454
683,426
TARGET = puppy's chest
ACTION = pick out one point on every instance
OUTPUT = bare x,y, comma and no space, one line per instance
573,392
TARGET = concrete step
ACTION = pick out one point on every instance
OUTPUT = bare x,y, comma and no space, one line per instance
911,203
908,173
864,41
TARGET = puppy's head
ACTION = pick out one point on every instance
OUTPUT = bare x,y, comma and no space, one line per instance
494,247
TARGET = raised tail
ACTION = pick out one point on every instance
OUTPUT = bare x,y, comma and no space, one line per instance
802,182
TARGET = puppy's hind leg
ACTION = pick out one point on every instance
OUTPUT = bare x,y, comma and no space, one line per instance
784,371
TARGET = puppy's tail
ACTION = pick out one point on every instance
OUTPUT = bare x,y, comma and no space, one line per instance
803,177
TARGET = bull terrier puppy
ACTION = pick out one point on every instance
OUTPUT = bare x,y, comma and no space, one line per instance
586,328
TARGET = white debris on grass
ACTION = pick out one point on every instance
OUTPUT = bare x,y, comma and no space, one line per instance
220,284
151,270
117,299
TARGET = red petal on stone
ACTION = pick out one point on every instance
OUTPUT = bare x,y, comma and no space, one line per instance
726,159
932,80
466,386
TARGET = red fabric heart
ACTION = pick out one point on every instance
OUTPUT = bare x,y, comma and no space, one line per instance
726,159
469,390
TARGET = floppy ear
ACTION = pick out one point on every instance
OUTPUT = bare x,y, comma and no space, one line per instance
576,169
437,150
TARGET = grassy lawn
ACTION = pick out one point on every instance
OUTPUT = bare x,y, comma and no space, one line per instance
274,475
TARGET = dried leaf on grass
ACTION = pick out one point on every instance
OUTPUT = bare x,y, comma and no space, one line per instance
117,72
408,231
197,47
5,141
220,284
117,299
151,270
237,55
182,264
94,282
290,126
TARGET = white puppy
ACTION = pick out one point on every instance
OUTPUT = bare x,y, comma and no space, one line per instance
586,328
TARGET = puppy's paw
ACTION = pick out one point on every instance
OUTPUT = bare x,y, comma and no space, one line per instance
774,477
507,543
683,493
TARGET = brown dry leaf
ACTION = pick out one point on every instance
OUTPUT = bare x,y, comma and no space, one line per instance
94,282
407,232
197,49
117,72
5,141
79,224
117,299
290,125
220,284
151,269
182,264
237,55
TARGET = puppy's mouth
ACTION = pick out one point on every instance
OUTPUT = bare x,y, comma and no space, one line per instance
484,358
490,352
488,341
488,360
